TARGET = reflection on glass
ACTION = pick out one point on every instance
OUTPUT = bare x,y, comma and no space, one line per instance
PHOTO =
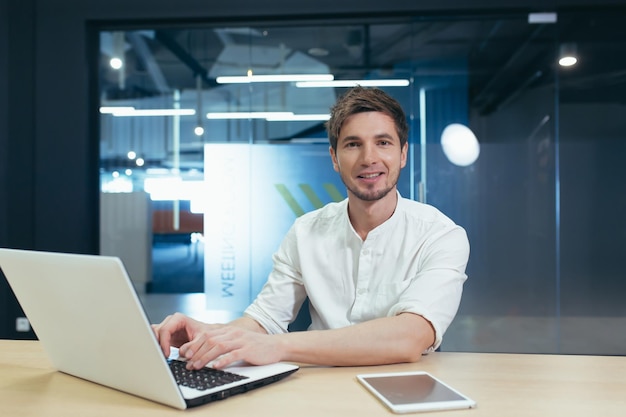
539,193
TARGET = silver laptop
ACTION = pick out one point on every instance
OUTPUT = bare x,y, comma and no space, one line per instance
88,318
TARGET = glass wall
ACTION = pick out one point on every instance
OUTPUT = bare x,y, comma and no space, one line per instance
213,142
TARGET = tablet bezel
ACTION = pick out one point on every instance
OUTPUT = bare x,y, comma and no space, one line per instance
462,403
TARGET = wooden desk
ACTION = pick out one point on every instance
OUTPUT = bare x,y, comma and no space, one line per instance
504,385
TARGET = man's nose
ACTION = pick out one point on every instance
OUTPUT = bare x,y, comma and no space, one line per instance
368,154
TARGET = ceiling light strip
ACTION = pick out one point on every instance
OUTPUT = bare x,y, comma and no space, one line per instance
273,78
269,116
131,111
354,83
114,109
247,115
300,118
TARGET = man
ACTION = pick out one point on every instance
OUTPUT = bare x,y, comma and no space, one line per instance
383,274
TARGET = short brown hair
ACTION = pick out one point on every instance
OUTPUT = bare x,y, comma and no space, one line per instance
358,100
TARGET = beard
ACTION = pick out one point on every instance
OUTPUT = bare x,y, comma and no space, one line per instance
368,194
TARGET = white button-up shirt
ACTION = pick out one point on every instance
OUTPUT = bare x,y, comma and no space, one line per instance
413,262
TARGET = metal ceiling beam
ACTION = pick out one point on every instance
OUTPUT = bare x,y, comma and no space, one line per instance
185,57
140,47
484,98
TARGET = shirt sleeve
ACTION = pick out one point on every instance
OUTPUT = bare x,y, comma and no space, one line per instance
435,291
280,299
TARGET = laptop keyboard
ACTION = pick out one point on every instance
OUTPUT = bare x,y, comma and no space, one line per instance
201,379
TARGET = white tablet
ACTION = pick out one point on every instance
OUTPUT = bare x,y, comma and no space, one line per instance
406,392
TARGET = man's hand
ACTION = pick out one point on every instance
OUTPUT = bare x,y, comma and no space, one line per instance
386,340
221,344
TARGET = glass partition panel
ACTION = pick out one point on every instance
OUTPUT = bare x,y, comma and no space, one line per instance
592,131
168,93
519,151
487,139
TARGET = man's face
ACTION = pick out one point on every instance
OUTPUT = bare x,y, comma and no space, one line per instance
369,156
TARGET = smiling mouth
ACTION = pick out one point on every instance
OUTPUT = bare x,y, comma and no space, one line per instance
369,176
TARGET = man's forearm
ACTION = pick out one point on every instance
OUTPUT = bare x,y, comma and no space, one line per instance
397,339
248,323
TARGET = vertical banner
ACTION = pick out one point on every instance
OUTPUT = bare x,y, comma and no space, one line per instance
227,226
252,195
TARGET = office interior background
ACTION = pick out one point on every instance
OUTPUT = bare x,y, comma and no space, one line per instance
541,192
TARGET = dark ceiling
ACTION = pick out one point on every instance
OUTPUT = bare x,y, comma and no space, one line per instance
499,57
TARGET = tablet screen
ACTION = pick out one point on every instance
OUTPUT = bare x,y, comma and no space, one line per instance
414,391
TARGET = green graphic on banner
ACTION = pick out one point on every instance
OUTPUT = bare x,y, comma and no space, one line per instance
308,191
333,192
253,194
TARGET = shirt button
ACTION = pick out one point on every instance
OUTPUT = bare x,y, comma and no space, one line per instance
366,252
362,290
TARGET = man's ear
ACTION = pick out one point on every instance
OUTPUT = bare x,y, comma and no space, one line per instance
333,157
405,152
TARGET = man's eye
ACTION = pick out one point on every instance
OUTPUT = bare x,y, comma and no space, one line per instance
352,145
